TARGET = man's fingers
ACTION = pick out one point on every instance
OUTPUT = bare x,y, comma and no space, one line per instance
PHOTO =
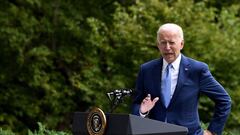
207,132
148,96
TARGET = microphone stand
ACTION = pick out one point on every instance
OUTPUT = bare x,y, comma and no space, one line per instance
115,98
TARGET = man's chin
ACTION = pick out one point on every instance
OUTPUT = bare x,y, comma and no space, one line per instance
169,59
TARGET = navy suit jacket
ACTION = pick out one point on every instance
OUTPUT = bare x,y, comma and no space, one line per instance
194,79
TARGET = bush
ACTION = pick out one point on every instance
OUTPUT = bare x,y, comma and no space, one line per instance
41,131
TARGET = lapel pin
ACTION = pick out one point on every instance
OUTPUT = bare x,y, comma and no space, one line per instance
186,69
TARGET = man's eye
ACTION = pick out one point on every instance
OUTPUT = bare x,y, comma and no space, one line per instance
163,42
172,43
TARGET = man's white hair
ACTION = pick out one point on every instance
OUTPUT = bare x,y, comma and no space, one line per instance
170,26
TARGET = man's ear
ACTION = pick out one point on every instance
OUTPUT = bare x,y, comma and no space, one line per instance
158,45
182,44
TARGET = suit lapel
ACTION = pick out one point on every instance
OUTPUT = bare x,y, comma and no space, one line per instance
182,76
157,73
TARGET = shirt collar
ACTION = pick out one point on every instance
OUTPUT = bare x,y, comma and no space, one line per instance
175,64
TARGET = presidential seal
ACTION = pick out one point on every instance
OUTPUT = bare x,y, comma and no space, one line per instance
96,122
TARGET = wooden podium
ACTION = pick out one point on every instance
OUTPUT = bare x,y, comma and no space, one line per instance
127,124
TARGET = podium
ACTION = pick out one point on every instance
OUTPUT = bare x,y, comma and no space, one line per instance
127,124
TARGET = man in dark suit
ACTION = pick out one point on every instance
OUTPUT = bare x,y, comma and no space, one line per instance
168,89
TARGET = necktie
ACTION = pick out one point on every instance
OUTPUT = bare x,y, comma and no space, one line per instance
166,85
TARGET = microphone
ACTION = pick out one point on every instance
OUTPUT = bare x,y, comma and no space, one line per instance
119,93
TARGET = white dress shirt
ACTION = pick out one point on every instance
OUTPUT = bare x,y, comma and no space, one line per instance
174,72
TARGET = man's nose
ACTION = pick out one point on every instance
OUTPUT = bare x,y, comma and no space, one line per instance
167,46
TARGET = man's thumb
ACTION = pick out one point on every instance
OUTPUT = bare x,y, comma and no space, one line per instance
155,99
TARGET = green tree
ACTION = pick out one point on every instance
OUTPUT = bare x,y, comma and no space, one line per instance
58,57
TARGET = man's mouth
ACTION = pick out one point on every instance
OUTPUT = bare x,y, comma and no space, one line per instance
168,54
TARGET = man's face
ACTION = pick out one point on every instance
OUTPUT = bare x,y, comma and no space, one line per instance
170,44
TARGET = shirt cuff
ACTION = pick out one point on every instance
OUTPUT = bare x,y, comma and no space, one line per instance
143,115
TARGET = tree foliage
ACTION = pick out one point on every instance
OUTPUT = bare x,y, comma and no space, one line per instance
58,57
